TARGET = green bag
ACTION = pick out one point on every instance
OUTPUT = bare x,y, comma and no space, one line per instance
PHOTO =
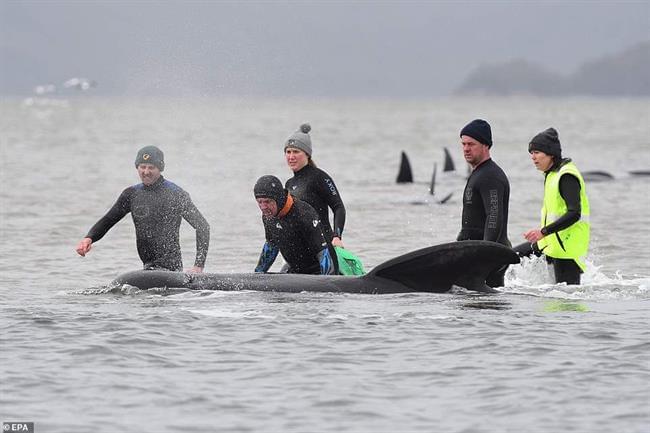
349,264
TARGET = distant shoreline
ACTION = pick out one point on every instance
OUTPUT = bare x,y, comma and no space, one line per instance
625,74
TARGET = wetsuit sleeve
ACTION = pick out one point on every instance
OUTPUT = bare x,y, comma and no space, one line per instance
269,253
570,192
192,215
121,207
333,199
326,263
493,197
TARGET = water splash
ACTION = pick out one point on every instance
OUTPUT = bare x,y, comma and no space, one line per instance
533,276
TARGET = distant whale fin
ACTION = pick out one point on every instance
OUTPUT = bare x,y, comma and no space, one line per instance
437,268
446,198
449,163
596,175
432,186
405,174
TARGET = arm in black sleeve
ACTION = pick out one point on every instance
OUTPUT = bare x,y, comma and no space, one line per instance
570,192
192,215
334,201
121,207
493,197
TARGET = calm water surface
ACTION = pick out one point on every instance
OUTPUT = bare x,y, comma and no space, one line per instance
79,356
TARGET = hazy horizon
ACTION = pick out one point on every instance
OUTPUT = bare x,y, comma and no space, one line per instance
384,49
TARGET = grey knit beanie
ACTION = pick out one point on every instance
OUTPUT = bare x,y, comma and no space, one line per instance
300,139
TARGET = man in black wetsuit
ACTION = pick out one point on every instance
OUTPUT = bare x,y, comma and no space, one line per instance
157,207
486,195
292,227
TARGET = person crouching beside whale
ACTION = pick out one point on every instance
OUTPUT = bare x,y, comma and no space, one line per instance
292,227
157,207
563,236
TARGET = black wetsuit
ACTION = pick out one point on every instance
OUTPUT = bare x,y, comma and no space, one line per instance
566,270
314,186
299,237
485,210
157,210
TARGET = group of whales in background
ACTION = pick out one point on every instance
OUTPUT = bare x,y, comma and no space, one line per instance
405,175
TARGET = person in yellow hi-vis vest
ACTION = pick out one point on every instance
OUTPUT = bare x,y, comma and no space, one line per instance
563,236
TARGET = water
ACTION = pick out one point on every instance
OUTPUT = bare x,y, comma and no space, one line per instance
77,356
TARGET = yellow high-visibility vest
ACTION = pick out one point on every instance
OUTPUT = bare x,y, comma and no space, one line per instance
572,242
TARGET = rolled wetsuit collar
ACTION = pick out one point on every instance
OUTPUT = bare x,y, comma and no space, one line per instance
303,171
287,206
481,164
156,184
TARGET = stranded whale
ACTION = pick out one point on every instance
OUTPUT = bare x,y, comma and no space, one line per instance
434,269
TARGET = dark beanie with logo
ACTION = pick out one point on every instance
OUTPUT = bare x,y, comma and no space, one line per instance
479,130
548,142
270,187
151,155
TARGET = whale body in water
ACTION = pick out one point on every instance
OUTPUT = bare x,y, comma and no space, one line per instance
433,269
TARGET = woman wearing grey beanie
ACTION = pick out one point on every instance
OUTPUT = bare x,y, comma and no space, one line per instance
313,185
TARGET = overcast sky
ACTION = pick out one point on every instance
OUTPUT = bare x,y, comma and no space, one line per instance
371,48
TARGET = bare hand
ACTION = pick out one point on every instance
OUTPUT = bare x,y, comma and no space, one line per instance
533,236
336,242
84,246
195,270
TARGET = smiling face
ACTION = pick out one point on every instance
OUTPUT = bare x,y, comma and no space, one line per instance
296,158
474,151
268,206
542,161
148,173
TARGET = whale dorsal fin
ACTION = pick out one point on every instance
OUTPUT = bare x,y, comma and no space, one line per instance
449,163
432,186
405,174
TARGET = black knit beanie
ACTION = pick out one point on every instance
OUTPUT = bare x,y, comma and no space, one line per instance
548,142
479,130
270,187
150,155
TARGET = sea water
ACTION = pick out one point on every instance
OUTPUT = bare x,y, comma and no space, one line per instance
77,355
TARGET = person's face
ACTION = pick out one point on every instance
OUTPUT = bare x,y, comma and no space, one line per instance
296,158
541,160
268,206
148,173
474,151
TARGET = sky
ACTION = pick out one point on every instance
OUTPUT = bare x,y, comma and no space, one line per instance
292,49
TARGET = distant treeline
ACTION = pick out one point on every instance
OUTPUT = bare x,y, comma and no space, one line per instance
623,74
